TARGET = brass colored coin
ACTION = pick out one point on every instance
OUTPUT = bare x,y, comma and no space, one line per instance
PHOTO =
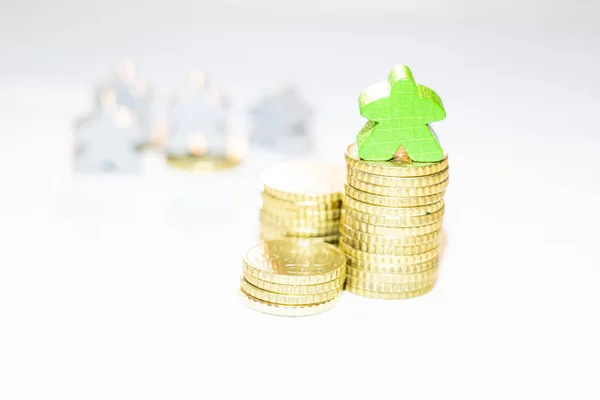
397,192
389,250
323,215
389,295
270,202
286,311
413,182
296,233
381,268
388,240
301,232
298,181
294,289
203,163
393,212
288,299
295,262
392,167
389,231
271,235
385,259
388,201
303,222
392,278
389,287
398,222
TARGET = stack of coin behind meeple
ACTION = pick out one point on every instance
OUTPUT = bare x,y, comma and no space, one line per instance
292,277
301,199
390,227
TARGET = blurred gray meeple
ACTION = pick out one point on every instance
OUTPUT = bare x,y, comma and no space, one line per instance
128,89
198,119
107,141
282,121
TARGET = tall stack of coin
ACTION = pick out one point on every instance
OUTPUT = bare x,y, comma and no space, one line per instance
292,277
301,199
391,224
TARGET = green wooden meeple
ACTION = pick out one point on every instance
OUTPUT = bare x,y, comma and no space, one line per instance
399,111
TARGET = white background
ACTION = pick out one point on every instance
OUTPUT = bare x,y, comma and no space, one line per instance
125,288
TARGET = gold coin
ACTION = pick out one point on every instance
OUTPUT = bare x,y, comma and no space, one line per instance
389,287
387,230
288,299
392,278
381,268
385,259
388,201
294,289
324,215
307,214
271,202
302,226
389,295
393,212
397,192
271,235
295,262
286,311
203,163
297,233
388,240
413,182
304,181
392,167
399,222
389,250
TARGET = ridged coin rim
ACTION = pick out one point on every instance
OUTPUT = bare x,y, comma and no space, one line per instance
391,278
388,295
294,289
399,182
395,222
287,299
387,201
382,240
385,259
389,250
266,235
388,287
384,268
283,310
302,206
393,212
387,230
397,192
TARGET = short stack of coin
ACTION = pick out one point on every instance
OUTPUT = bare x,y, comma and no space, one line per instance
390,227
292,277
302,199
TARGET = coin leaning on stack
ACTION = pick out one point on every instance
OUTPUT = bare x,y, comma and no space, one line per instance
291,277
390,227
301,199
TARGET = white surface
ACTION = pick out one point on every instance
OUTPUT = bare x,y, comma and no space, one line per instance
126,288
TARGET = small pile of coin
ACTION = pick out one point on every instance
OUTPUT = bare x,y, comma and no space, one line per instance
301,199
292,277
391,224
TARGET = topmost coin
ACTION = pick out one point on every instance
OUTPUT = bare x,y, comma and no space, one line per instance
393,167
304,181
